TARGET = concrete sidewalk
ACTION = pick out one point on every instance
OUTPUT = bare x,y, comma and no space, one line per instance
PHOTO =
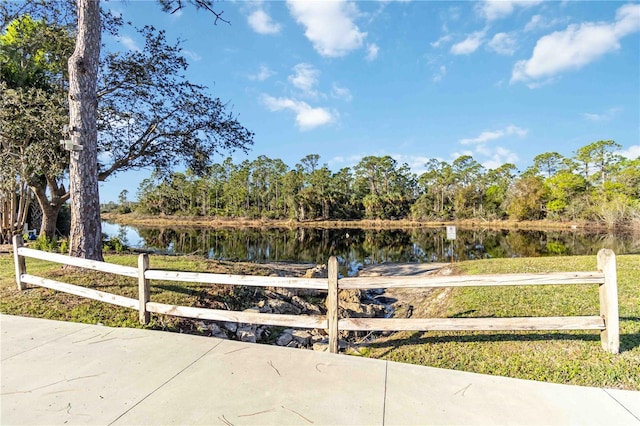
68,373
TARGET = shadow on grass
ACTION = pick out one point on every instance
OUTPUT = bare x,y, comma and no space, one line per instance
628,342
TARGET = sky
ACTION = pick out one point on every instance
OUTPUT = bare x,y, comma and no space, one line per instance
502,81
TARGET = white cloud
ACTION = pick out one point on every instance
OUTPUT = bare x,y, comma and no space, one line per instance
631,153
538,22
192,55
503,44
576,46
341,93
439,42
329,25
496,9
350,161
498,157
372,52
496,134
442,71
263,74
307,117
468,45
534,23
417,163
129,43
606,116
305,78
262,23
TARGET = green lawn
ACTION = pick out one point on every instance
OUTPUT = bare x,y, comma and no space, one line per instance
574,357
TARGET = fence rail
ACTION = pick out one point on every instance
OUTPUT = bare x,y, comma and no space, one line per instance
607,322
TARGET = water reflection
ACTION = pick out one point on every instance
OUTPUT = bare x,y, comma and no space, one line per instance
363,246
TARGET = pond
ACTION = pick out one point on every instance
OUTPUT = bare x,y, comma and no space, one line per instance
357,247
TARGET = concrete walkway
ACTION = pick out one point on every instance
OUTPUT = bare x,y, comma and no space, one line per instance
68,373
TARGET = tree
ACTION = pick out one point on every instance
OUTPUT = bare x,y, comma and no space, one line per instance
467,174
600,155
563,189
498,182
200,128
83,170
150,115
549,162
86,232
33,112
31,120
386,190
436,185
526,198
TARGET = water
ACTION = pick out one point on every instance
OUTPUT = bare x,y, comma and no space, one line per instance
358,247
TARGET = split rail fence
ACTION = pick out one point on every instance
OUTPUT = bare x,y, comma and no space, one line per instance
607,322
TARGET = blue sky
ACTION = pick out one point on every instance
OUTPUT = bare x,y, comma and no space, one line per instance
502,81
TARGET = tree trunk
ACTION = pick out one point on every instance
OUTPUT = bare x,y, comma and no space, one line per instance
50,208
86,232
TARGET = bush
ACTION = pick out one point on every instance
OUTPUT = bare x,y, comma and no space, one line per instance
114,244
45,244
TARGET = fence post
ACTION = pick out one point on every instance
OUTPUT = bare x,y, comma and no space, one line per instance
20,265
332,305
143,287
610,336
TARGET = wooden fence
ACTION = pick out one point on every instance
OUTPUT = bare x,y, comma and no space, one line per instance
607,322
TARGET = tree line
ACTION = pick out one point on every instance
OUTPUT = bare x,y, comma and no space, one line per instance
595,184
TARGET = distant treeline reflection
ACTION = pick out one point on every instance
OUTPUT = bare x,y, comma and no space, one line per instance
378,246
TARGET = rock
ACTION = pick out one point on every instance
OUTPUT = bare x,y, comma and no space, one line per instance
301,336
231,326
266,309
323,346
292,344
320,271
316,338
247,336
359,310
216,331
350,296
284,339
281,307
307,307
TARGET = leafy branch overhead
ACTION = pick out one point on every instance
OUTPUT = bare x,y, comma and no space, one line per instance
173,6
150,115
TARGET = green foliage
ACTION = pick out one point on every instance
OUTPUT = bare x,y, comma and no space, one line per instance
380,189
45,244
526,198
34,53
114,244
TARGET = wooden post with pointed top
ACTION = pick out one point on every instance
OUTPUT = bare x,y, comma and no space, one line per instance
143,288
20,265
610,336
332,305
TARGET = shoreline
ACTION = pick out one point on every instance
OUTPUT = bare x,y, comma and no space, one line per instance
219,222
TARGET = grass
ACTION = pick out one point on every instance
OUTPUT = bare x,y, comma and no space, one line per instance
572,357
44,303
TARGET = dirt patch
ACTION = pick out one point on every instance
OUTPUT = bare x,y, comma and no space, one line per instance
411,302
